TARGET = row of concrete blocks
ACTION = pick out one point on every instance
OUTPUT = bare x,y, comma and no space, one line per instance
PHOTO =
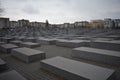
70,69
95,54
6,39
26,44
59,42
29,39
40,40
23,53
72,43
109,45
47,41
75,70
6,48
103,44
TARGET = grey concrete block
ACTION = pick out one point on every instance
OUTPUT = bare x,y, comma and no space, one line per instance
16,42
72,43
110,45
21,38
75,70
7,39
6,48
11,75
29,39
2,65
82,38
102,39
116,37
2,43
106,56
28,55
46,41
29,44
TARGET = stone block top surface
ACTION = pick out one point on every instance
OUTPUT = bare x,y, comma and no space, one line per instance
11,75
99,51
27,51
85,70
9,46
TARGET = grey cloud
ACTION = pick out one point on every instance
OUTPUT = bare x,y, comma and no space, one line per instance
29,9
113,14
65,10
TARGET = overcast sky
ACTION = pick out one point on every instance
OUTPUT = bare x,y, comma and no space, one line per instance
60,11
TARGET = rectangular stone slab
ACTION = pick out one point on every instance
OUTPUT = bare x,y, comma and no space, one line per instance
116,37
72,43
11,75
28,54
16,42
75,70
21,38
110,45
6,48
46,41
7,39
29,44
82,38
30,39
2,43
106,56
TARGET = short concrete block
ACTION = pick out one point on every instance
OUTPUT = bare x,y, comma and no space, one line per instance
106,56
11,75
110,45
72,43
30,39
28,55
75,70
6,48
46,41
16,42
7,39
2,65
29,44
2,43
21,38
116,37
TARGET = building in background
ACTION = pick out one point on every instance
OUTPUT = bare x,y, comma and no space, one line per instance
66,25
112,23
72,25
34,24
108,23
14,24
4,23
81,24
97,23
23,22
116,23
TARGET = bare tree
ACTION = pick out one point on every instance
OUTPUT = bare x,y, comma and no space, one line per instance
47,24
